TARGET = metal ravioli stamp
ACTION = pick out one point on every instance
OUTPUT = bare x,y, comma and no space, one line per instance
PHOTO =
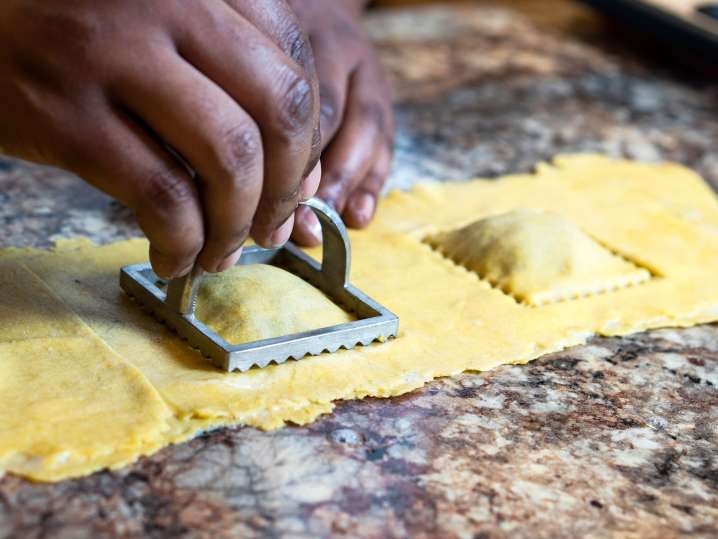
174,302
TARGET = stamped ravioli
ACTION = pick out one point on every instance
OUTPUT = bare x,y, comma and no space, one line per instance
538,257
143,387
253,302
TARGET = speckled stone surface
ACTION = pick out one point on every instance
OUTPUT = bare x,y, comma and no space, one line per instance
614,439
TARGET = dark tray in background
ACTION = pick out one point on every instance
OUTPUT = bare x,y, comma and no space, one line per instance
690,26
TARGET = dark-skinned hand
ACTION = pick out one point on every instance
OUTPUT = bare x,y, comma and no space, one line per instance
115,90
356,116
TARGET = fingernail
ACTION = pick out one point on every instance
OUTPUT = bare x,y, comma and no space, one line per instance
363,207
169,274
307,228
230,261
167,269
314,227
184,271
280,236
311,182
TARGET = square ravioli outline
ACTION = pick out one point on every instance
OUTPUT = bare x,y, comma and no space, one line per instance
626,271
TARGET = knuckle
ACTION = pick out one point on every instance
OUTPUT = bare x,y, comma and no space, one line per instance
375,114
168,189
296,44
336,186
339,176
78,32
238,153
295,105
328,106
375,181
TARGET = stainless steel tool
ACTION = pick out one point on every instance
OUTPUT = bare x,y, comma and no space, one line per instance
176,306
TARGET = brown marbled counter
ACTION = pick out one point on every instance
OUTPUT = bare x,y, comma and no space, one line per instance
617,438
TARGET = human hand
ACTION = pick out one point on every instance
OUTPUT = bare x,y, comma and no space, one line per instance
357,121
116,90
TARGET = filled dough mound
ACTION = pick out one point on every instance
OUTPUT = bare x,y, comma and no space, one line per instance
249,303
537,257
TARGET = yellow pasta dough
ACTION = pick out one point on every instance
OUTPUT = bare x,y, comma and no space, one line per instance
125,385
69,403
537,256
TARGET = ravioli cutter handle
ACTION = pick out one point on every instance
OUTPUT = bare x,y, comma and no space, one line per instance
336,250
336,261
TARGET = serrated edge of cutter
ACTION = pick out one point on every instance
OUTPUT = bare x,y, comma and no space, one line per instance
311,351
316,351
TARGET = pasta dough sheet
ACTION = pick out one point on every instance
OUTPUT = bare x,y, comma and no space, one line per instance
69,403
111,384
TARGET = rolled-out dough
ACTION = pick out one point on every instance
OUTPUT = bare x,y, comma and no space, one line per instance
69,404
122,385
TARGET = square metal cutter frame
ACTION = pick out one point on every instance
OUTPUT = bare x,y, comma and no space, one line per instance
174,302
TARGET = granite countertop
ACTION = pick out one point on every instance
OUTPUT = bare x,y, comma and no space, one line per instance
616,438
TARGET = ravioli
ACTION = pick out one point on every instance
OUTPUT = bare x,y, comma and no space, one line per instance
252,302
89,380
537,256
